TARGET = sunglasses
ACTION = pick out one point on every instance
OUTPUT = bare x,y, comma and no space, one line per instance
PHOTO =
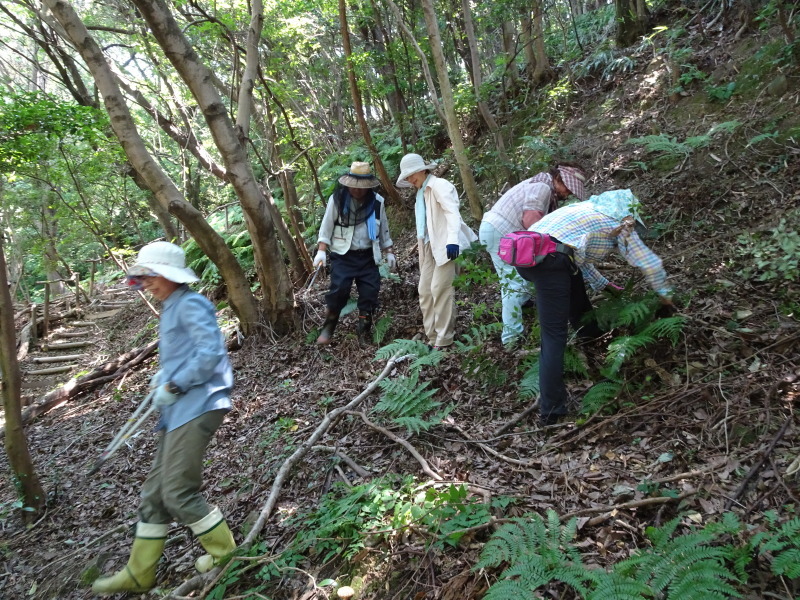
136,282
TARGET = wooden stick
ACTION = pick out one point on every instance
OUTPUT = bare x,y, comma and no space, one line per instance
65,345
51,370
55,359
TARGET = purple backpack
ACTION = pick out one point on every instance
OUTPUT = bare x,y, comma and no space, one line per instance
526,248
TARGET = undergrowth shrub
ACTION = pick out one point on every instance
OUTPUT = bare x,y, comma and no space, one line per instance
701,563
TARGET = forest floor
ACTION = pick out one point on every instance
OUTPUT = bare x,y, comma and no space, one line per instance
707,426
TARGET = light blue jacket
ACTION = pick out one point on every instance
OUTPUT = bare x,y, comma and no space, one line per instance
193,356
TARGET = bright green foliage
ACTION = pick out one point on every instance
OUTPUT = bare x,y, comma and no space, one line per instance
406,401
477,336
686,567
782,543
601,398
701,564
529,382
772,255
538,553
382,326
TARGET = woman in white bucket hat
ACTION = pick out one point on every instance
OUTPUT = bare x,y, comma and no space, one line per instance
192,391
441,234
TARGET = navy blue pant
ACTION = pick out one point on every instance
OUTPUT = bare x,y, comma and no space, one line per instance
560,299
358,266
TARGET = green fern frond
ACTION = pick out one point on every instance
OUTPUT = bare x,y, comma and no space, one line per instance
573,362
600,396
404,348
529,382
382,326
670,328
622,348
433,358
508,589
610,586
634,313
405,396
726,127
661,144
477,336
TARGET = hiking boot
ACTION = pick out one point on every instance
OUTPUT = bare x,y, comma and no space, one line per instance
139,575
328,327
364,328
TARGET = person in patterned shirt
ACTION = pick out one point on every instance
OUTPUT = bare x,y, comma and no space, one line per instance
590,230
517,209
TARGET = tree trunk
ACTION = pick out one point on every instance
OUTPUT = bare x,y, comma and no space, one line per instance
168,195
450,111
527,44
380,170
277,296
19,457
477,80
510,48
542,71
423,62
633,19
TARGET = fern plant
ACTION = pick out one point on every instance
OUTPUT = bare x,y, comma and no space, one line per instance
685,567
782,544
538,553
382,326
406,401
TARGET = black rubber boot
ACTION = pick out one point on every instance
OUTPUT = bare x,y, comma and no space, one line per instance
364,328
328,327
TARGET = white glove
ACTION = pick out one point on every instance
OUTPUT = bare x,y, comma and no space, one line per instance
164,397
156,379
391,261
321,259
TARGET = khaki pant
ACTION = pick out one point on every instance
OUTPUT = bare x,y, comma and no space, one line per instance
172,488
436,297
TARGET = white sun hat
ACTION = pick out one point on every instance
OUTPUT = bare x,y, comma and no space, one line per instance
410,164
165,259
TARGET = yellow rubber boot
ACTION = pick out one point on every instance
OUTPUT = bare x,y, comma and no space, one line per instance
139,575
214,534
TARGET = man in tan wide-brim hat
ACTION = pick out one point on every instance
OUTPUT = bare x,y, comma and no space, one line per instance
356,231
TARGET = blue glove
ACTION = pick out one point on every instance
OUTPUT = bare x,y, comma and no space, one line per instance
452,251
163,397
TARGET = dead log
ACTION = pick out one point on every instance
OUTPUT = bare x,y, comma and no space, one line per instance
55,359
51,370
76,386
71,334
65,346
83,323
24,342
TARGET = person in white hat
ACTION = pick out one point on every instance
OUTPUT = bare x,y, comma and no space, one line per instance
192,391
516,210
441,234
356,231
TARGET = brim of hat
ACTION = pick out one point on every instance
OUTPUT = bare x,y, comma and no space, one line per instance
579,192
176,274
356,182
401,180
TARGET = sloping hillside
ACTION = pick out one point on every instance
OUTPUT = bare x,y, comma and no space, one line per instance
701,428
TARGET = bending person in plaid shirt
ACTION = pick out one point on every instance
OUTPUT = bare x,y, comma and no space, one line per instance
517,209
591,230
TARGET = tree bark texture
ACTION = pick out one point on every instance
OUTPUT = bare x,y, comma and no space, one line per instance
633,19
380,170
19,457
453,129
168,195
277,296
